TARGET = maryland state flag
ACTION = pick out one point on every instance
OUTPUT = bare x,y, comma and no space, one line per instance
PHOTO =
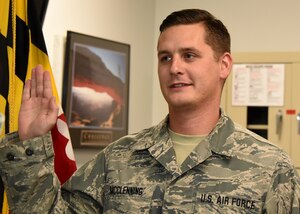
22,47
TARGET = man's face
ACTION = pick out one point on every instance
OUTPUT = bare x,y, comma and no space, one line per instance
189,73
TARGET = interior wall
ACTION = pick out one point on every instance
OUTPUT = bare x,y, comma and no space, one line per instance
126,21
255,26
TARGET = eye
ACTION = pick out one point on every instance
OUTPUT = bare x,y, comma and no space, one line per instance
165,58
189,55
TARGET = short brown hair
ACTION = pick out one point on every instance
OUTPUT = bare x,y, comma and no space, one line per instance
217,35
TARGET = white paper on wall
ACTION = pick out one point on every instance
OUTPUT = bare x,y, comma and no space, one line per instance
258,85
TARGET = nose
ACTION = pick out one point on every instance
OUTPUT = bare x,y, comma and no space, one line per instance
176,66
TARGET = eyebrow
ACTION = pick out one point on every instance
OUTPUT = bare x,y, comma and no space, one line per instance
189,49
181,50
162,52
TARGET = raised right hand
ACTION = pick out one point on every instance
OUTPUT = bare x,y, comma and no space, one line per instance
38,112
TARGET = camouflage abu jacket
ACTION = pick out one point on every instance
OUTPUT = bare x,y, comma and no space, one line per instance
231,171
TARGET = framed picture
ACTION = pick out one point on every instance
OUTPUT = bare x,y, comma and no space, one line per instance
95,89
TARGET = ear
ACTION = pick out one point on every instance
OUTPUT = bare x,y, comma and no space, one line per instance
226,65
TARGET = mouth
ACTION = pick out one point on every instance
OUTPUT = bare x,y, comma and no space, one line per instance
179,85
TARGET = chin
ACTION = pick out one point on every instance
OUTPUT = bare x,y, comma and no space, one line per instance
181,104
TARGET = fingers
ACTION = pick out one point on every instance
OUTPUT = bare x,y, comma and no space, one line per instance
47,85
40,84
39,81
33,83
26,91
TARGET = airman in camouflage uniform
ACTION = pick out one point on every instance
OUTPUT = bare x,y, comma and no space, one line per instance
232,170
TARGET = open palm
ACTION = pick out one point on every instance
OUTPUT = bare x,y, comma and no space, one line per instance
38,112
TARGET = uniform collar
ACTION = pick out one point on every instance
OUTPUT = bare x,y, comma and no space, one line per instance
157,141
218,139
155,136
216,142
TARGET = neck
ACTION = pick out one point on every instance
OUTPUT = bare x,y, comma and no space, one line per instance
198,121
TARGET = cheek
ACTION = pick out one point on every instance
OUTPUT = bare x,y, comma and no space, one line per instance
162,75
161,80
210,75
206,80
